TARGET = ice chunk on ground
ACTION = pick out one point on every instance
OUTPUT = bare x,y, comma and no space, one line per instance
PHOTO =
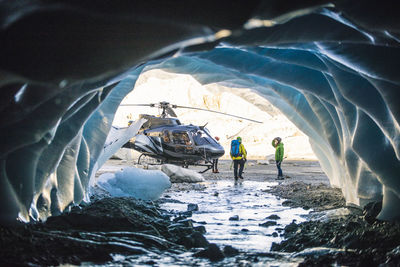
180,175
133,182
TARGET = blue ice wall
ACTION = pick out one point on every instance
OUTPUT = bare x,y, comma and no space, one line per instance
331,67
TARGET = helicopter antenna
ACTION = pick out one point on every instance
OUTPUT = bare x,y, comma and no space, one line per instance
167,109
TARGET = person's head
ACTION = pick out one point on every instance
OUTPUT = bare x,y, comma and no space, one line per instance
277,140
239,139
217,138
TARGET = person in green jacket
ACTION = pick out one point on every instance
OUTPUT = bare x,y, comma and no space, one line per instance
279,151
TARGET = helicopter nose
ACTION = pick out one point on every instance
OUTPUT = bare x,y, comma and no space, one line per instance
217,153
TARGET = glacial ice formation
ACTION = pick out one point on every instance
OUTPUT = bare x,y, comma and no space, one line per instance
178,174
135,182
332,67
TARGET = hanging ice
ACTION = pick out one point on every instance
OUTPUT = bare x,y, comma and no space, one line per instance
332,69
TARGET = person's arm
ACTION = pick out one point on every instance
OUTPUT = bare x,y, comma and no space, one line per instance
244,152
280,152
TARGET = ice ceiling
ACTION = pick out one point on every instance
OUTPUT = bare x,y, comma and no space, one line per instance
331,66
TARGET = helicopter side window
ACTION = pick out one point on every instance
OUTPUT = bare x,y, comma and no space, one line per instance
186,139
181,138
165,137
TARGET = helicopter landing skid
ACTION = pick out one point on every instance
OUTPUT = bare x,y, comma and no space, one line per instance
208,168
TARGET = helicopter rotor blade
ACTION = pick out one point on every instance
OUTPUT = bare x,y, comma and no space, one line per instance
138,105
223,113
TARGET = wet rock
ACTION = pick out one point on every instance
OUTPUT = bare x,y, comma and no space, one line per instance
186,222
288,203
371,210
351,226
351,241
230,251
291,228
275,234
104,227
192,207
245,230
267,223
273,217
186,214
234,218
216,194
194,240
200,229
182,217
318,197
212,252
199,241
393,256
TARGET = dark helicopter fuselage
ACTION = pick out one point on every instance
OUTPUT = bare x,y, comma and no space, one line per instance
169,141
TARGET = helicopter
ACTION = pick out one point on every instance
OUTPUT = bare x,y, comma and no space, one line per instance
164,139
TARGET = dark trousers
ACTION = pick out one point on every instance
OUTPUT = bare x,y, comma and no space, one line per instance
215,165
238,163
278,165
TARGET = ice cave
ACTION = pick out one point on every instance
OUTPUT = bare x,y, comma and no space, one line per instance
332,67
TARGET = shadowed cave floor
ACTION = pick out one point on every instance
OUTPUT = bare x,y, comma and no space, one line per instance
124,226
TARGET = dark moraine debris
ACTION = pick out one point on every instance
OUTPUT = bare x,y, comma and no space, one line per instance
358,239
267,223
212,252
318,197
273,217
234,218
94,232
230,251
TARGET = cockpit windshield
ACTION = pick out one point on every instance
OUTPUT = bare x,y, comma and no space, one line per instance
201,137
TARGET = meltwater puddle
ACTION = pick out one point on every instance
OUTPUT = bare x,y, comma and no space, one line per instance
234,214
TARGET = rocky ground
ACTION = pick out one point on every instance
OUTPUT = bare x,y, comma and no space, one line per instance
124,226
335,234
348,237
94,233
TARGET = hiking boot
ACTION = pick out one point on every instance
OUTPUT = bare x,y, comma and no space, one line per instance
241,177
279,178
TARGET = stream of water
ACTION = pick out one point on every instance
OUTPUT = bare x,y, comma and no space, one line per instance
219,202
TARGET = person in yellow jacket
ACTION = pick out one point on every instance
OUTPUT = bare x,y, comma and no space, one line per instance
239,157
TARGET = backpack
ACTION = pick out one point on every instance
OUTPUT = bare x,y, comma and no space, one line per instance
235,148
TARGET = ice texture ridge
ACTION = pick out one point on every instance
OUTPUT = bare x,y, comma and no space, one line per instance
331,67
